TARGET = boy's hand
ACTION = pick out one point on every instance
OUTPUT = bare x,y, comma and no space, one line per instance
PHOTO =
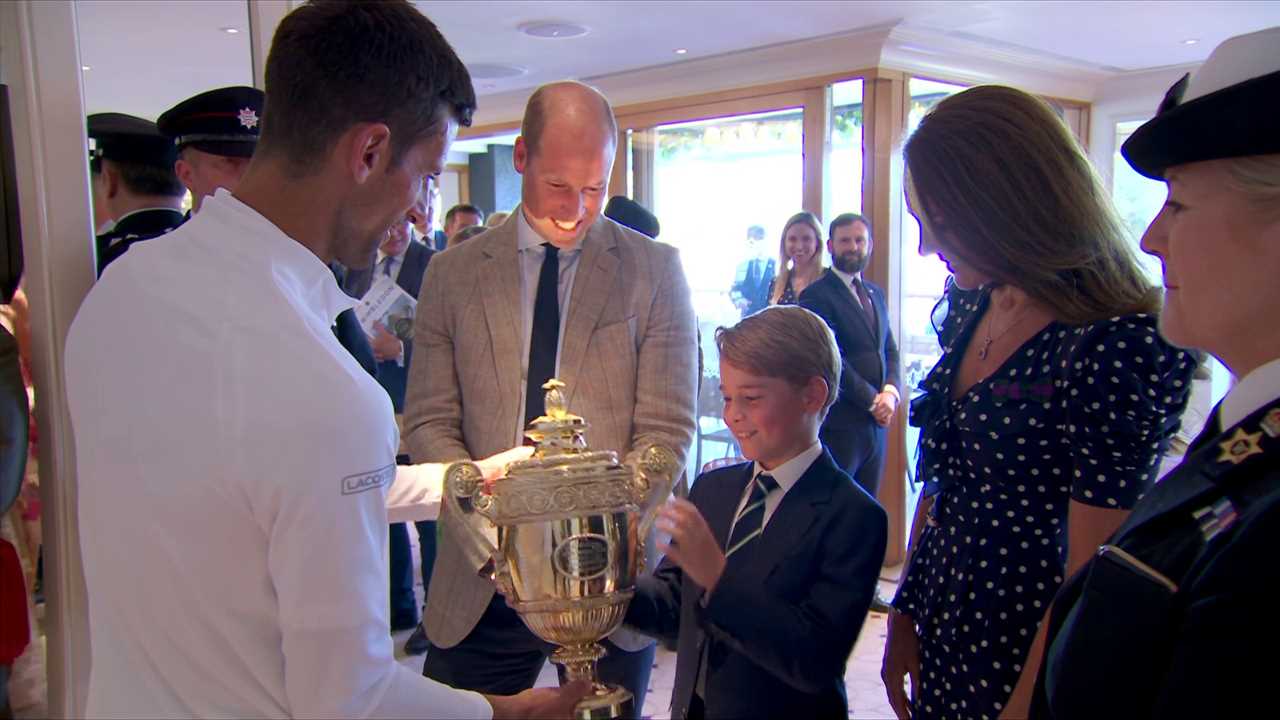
692,545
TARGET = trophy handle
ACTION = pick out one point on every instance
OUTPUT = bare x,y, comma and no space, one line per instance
463,480
655,475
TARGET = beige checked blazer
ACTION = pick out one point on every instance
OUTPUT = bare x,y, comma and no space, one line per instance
629,359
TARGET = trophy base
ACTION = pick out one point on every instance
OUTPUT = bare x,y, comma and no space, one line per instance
606,703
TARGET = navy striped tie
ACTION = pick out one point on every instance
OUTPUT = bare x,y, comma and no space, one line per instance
750,521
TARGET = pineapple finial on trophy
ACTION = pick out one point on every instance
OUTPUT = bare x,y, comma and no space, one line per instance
558,432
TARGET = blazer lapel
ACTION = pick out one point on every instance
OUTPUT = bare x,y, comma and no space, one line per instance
880,307
794,516
592,284
499,278
410,277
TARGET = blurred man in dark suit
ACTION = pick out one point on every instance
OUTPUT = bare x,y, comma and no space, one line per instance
754,278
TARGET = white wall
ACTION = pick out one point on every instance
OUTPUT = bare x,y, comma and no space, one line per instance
1131,96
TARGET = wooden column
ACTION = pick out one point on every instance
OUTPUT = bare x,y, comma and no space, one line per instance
884,119
816,147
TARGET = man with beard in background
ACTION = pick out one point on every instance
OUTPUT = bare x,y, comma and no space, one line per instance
854,430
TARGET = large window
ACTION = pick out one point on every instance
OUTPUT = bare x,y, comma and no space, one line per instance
713,180
842,189
923,280
1136,198
724,185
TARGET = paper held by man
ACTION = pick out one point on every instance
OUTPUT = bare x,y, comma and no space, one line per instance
387,303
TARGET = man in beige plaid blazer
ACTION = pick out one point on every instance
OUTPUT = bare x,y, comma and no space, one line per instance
627,353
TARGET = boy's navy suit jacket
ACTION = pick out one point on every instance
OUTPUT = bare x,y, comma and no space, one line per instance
785,614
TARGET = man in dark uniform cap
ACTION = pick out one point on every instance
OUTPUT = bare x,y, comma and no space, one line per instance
133,182
215,134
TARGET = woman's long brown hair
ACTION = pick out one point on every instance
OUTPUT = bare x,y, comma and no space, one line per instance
1007,189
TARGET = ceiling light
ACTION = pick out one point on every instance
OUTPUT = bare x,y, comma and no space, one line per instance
681,51
230,30
553,30
1190,41
86,68
495,71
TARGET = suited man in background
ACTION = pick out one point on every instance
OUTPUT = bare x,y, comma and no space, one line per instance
754,278
489,334
855,428
404,260
460,217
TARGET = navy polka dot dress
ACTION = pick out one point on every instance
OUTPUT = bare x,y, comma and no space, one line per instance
1078,413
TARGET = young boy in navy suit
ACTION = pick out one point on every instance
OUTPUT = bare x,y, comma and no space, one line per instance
772,564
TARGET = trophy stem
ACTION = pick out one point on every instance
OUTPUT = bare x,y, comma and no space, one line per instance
603,702
579,660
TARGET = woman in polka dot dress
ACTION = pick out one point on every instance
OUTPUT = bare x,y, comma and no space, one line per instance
1046,417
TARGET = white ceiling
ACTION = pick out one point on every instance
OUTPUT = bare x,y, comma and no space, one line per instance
629,34
146,56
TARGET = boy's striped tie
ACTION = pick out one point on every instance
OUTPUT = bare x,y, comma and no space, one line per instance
749,523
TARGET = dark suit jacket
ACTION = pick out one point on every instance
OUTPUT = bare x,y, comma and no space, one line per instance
869,355
135,228
393,376
782,621
1122,643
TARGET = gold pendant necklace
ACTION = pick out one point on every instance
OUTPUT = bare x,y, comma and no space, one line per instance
986,342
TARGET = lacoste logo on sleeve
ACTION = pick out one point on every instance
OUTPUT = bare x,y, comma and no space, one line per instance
370,480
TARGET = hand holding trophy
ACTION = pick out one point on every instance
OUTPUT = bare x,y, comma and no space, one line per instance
571,526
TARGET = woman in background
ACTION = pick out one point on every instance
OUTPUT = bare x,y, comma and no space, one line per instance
799,256
1045,418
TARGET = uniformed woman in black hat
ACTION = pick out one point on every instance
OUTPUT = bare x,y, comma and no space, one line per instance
1177,614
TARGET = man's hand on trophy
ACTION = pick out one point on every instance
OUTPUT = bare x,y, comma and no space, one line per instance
692,546
540,702
493,466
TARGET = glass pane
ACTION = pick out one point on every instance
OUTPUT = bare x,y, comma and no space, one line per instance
843,187
712,180
923,280
1137,198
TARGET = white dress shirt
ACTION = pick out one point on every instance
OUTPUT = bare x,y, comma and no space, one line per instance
234,462
531,252
1252,392
397,262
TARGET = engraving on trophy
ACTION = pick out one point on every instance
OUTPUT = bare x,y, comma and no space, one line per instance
582,557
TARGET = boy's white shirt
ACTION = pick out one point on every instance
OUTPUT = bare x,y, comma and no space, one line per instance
786,475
